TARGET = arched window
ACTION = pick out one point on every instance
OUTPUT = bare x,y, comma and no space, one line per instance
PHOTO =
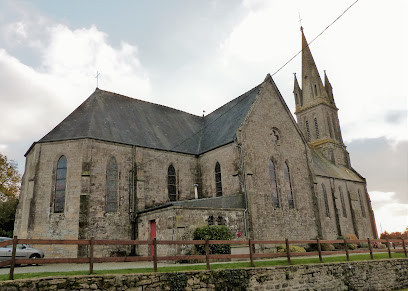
272,175
288,185
361,204
111,185
60,185
307,130
343,205
172,183
316,128
218,182
315,89
326,202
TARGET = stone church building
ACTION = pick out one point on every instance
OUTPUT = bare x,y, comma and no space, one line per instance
122,168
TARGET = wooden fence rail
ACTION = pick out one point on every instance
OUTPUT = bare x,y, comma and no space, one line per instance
251,244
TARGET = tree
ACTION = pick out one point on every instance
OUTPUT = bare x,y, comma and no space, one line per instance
10,181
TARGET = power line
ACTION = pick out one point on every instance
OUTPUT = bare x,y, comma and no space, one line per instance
284,65
338,17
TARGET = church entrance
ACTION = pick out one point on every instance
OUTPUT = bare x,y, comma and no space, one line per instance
152,234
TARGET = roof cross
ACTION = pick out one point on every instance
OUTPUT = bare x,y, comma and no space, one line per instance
97,79
300,22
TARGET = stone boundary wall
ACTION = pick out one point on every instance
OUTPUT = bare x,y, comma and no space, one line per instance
368,275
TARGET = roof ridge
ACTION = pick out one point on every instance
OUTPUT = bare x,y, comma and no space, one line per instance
242,95
149,102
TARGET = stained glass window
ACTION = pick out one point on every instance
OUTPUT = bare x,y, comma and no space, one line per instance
274,189
288,186
112,185
172,183
218,182
60,185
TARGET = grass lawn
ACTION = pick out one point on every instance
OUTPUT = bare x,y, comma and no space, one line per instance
214,266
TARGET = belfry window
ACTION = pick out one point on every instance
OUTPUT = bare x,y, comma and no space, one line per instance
172,183
307,131
316,128
274,189
330,127
218,182
288,186
60,185
111,185
343,204
326,202
361,204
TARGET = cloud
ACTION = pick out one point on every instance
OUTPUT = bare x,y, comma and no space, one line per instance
39,97
384,163
390,215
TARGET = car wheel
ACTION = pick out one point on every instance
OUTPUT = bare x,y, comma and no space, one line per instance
33,257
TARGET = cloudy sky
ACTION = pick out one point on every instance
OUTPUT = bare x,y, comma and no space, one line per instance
198,55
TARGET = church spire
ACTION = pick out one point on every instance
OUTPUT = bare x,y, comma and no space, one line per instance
298,93
316,111
329,88
312,85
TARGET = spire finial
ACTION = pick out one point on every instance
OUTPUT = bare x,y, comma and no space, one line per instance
97,79
300,22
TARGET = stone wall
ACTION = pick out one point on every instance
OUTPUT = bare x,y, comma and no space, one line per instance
367,275
282,143
179,223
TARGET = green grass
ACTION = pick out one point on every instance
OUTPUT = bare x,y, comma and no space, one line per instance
214,266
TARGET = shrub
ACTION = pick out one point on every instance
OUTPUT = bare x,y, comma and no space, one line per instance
351,246
213,232
292,249
363,245
324,247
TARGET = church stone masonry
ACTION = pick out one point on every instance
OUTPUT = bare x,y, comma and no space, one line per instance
121,168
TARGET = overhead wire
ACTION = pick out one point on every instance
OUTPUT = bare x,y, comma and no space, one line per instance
173,149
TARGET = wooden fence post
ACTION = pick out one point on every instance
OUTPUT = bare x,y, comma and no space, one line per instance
251,253
13,258
388,247
346,248
319,249
207,254
287,250
404,246
155,254
91,255
371,248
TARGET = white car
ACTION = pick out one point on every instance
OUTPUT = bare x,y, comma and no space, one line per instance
22,252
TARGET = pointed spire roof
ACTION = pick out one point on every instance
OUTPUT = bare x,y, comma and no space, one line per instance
312,85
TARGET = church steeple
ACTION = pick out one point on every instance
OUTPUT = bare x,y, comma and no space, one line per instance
298,94
312,86
316,110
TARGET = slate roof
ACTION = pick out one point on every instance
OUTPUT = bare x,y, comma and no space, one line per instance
323,167
112,117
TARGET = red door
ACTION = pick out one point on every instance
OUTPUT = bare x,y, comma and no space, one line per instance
152,234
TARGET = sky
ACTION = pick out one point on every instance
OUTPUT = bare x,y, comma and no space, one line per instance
198,55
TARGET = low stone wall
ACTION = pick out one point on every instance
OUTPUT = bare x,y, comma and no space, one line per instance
367,275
